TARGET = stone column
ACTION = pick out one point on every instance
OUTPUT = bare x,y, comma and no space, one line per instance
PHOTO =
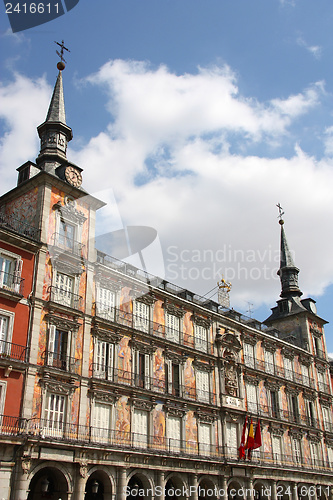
273,491
21,487
194,487
330,493
122,483
161,484
80,482
224,488
250,496
294,492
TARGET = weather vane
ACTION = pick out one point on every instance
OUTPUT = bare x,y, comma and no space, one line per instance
61,63
281,212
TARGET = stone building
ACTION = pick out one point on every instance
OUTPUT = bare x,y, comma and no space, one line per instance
134,387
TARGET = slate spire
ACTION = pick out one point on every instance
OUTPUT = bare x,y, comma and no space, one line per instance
288,272
56,112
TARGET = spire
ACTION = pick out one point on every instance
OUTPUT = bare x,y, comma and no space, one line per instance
288,272
54,133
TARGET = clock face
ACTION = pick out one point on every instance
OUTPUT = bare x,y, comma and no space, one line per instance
73,176
313,307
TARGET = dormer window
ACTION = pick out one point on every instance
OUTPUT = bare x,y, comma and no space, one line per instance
284,306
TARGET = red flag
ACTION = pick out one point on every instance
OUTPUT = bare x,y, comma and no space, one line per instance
241,449
257,437
250,440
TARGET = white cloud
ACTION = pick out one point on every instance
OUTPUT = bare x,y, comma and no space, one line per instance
315,50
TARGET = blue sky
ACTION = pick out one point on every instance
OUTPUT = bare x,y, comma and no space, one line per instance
195,118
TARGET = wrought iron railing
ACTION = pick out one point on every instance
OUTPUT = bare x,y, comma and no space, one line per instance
11,351
66,244
131,320
11,283
62,362
281,414
156,384
13,224
58,430
64,297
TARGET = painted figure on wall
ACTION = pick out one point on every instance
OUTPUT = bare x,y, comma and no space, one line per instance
125,313
188,330
266,437
159,370
124,361
159,425
189,378
191,431
263,397
123,419
231,380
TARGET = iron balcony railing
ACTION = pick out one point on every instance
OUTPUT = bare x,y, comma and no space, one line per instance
320,353
278,371
323,387
58,430
62,362
280,414
11,283
129,319
64,297
328,426
66,244
11,351
155,384
7,221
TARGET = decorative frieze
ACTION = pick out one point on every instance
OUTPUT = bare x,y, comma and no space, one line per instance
275,430
269,346
148,298
200,321
288,353
57,386
62,322
142,404
70,213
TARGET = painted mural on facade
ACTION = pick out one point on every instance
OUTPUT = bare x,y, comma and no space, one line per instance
124,361
159,370
123,419
189,378
188,330
191,431
158,425
24,208
266,439
126,306
263,401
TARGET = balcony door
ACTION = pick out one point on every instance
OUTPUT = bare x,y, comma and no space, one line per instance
64,286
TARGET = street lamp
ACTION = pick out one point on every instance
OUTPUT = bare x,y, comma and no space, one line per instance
94,487
45,485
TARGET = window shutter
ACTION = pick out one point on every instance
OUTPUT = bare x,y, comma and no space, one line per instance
204,438
174,433
140,427
200,337
248,354
17,274
110,361
141,318
147,371
314,453
269,362
277,451
305,374
288,368
172,327
101,422
232,442
296,450
251,395
202,385
105,303
52,334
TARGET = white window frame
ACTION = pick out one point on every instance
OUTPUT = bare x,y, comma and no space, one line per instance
66,220
269,362
141,316
288,368
16,273
3,390
5,343
104,359
105,306
232,433
140,439
251,390
58,427
200,337
314,452
297,450
305,374
100,433
61,298
277,448
202,384
204,429
174,440
248,351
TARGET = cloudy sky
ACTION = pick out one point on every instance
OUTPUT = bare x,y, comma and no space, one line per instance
194,118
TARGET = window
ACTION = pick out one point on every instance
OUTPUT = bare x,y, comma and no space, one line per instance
172,378
105,303
59,347
174,428
327,419
305,374
277,448
296,450
205,438
248,355
55,415
171,327
103,359
10,271
3,387
314,453
200,338
251,395
294,408
101,430
140,428
141,316
330,455
274,404
63,292
288,369
66,235
232,440
310,410
321,383
269,362
202,385
142,370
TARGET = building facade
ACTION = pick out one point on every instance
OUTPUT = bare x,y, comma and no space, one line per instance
131,386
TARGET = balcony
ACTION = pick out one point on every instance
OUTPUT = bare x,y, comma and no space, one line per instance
61,362
66,244
73,434
10,283
284,415
7,221
145,325
278,371
155,384
65,298
13,352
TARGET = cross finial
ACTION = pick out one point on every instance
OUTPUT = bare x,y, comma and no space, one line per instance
61,53
281,212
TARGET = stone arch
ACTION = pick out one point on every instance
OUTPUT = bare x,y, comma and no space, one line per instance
50,478
173,482
99,475
236,489
139,480
284,490
322,492
262,490
207,488
304,491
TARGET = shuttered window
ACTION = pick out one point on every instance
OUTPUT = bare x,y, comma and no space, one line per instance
204,439
171,327
103,359
141,370
141,316
248,355
4,322
232,440
200,338
174,427
63,292
314,453
140,428
105,303
277,448
269,362
288,369
101,430
296,450
305,374
251,396
54,415
202,385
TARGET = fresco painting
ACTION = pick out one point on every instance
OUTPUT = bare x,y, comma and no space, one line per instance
287,446
124,361
123,419
75,407
126,306
263,401
159,370
42,341
82,288
284,400
266,439
47,277
191,431
188,330
306,451
189,378
159,426
37,401
24,207
158,319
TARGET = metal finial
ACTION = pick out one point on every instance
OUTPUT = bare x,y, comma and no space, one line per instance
61,63
281,213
